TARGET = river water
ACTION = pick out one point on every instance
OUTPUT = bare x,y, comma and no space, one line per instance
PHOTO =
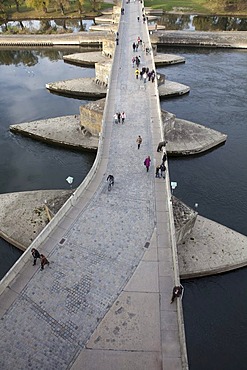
24,164
215,308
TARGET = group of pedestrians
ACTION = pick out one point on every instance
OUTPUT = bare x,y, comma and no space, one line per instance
145,74
161,169
119,117
43,260
136,61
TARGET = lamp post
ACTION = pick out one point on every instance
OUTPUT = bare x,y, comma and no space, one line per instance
173,185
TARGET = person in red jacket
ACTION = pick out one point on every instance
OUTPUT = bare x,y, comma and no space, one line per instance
147,163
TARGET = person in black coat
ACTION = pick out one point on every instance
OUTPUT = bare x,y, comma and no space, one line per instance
35,255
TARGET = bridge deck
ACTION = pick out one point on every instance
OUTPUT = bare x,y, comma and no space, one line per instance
87,310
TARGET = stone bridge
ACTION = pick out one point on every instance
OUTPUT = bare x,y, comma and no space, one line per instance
104,300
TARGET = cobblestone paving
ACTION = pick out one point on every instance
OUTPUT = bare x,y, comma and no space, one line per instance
60,307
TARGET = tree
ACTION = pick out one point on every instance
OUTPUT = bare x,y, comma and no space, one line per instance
38,4
62,5
80,4
4,12
17,4
95,4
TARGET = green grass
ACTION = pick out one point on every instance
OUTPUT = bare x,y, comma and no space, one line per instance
198,6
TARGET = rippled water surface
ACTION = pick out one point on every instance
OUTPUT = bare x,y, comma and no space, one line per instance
215,308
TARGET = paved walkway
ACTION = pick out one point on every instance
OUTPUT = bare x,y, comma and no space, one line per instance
48,317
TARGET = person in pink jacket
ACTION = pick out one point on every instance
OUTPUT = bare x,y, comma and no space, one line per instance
147,163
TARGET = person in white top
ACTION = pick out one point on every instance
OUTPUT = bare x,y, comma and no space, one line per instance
123,116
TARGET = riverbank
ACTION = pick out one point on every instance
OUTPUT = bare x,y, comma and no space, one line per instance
228,39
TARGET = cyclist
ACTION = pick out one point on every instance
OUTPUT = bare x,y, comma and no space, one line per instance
110,179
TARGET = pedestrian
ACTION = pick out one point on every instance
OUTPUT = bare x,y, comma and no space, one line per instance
133,61
137,73
137,62
139,141
144,77
147,163
35,255
134,46
117,41
115,118
123,116
163,170
164,158
177,292
44,261
138,18
119,117
137,47
158,172
153,76
160,146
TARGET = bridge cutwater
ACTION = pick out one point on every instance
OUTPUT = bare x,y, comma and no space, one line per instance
104,301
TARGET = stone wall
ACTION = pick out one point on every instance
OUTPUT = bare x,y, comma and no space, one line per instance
116,14
102,72
109,47
91,116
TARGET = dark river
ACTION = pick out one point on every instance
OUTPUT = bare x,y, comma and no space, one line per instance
215,308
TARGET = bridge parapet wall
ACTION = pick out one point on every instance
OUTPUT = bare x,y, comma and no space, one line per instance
108,47
102,72
116,14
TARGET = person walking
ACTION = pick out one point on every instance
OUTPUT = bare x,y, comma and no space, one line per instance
138,61
134,46
133,61
119,117
137,73
35,255
144,77
176,292
164,158
123,116
147,163
115,118
163,170
158,172
44,261
139,141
